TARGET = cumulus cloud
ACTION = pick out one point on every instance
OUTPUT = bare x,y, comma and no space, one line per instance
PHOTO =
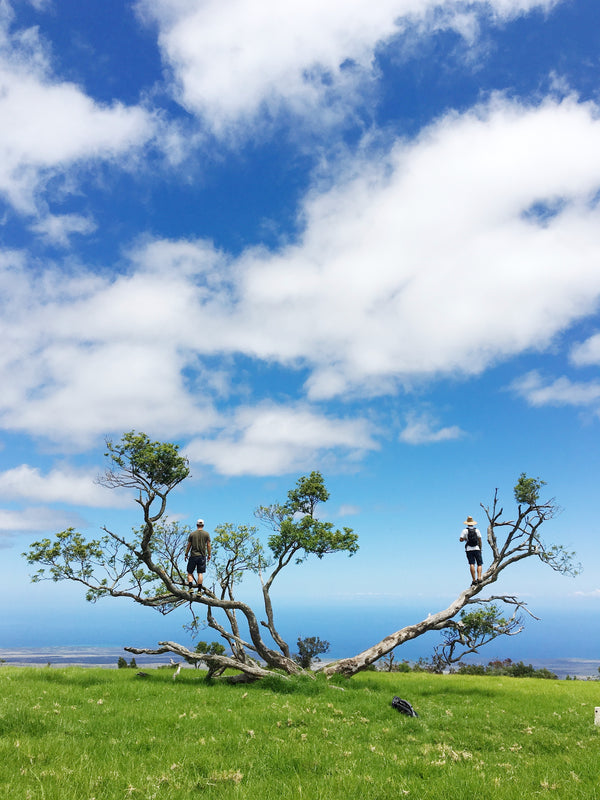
86,356
587,353
538,391
57,229
439,259
233,61
59,485
54,126
472,243
271,439
37,519
422,428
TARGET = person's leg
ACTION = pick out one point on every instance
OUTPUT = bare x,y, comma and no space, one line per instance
201,568
479,566
471,560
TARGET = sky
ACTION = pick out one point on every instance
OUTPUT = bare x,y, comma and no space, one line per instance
361,238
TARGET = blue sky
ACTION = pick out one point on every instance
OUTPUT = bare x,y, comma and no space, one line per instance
354,237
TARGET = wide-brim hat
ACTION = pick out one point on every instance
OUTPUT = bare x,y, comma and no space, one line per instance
470,521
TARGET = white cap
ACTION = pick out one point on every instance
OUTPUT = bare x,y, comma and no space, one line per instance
200,522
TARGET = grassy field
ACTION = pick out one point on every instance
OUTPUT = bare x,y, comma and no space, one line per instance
97,734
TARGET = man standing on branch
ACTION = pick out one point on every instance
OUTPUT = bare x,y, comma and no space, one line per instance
473,548
198,552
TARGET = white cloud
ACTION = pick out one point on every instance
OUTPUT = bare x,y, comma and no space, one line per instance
559,392
587,353
85,356
58,228
54,126
424,429
473,243
60,485
35,520
274,439
232,61
435,260
348,511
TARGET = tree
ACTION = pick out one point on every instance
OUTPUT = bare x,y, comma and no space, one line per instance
472,630
146,566
309,650
511,541
388,663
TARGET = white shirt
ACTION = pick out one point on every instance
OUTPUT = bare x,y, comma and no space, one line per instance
463,538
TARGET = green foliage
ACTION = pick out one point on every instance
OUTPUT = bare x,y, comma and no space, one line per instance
210,648
527,490
236,549
309,492
297,531
69,556
309,650
84,733
122,663
157,464
507,667
482,622
470,631
388,663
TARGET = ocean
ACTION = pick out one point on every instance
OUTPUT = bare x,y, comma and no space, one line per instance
566,643
108,657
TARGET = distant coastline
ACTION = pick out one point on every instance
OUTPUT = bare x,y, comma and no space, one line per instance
75,656
92,656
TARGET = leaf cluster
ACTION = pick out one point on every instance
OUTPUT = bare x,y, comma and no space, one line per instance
309,650
297,532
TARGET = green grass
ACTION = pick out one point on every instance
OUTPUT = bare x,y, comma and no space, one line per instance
95,734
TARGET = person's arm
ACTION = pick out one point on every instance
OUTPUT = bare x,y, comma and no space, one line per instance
463,536
208,548
187,547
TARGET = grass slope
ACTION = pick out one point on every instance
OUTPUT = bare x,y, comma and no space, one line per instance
95,734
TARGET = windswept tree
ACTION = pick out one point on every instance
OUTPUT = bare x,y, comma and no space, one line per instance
147,566
310,648
511,541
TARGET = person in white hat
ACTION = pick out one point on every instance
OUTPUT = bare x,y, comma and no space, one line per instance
473,548
198,548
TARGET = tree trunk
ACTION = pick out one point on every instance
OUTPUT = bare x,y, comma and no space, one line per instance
250,671
350,666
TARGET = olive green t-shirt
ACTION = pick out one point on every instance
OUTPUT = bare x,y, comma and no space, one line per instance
199,541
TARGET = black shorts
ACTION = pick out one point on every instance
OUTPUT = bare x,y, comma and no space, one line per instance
474,557
197,563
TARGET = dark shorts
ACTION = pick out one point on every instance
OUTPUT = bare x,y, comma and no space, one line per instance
474,557
197,563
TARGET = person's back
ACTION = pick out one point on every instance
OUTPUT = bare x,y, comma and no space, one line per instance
197,551
199,540
473,547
